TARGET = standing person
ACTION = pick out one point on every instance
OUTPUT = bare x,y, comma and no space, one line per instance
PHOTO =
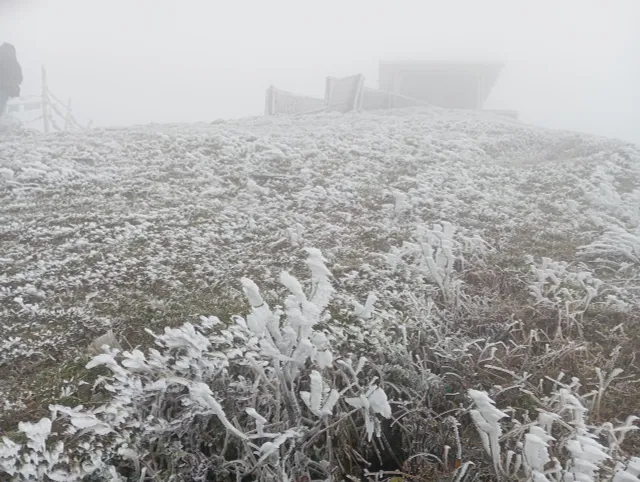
10,75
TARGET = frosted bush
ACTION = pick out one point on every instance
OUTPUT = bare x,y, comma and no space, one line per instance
616,244
439,254
537,457
571,293
203,375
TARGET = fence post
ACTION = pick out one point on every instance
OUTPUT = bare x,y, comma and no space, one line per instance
45,102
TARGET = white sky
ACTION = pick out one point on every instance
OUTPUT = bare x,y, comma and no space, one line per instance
571,64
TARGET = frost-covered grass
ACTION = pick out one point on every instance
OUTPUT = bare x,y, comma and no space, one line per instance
429,256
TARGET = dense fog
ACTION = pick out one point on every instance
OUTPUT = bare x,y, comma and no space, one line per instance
568,64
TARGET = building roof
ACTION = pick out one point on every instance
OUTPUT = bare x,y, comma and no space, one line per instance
442,63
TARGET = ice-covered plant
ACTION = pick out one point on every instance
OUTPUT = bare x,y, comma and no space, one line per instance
617,244
629,472
40,457
537,454
486,418
243,385
570,292
320,400
556,285
439,253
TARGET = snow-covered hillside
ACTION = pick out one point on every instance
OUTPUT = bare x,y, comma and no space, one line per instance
141,228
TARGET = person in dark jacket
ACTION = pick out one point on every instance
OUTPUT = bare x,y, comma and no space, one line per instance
10,75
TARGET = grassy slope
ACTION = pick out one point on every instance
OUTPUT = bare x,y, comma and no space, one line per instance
151,226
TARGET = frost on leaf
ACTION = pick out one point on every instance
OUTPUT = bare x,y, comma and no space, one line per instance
320,399
202,395
107,360
9,452
379,403
535,448
374,401
82,419
486,417
365,312
260,420
37,433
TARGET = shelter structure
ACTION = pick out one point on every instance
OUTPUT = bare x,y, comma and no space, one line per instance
443,84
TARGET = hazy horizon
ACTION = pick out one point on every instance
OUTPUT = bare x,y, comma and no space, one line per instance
571,65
